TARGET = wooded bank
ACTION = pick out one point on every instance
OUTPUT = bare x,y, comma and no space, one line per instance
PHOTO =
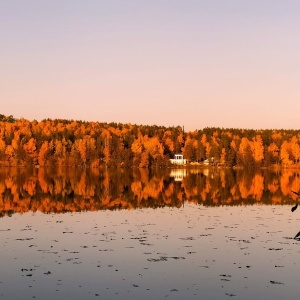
78,143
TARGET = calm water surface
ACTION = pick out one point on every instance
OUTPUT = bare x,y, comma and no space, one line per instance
200,235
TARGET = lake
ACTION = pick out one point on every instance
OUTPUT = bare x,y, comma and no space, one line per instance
132,234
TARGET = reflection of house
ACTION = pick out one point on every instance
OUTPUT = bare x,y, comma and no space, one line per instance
206,172
178,160
178,174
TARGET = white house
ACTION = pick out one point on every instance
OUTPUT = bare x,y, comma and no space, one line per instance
178,160
209,162
206,162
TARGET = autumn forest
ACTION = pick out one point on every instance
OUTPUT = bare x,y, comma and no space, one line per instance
59,142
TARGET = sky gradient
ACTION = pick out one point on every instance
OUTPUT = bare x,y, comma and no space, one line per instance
230,64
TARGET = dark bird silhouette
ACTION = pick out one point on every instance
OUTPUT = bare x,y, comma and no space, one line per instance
297,236
295,207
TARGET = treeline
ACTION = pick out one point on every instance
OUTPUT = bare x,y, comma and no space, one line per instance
91,144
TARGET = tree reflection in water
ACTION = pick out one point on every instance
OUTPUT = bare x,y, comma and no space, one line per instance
64,190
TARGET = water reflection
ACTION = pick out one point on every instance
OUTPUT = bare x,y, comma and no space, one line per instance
69,190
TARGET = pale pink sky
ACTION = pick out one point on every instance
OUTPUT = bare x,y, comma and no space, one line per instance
194,63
